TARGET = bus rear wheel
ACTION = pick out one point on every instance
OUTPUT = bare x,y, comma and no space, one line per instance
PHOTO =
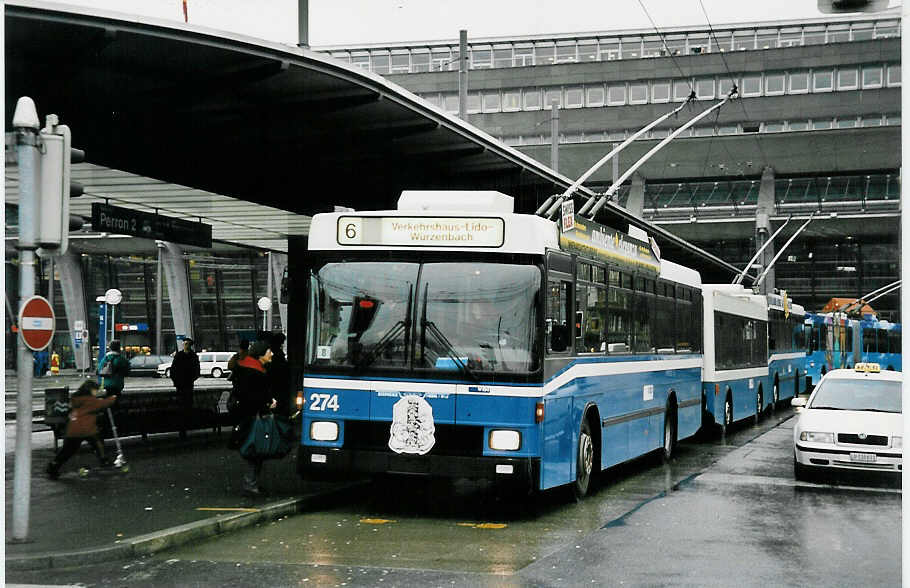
728,416
585,466
776,396
759,405
669,434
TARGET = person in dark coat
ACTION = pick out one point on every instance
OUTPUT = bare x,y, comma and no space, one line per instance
251,388
184,372
82,426
280,375
243,352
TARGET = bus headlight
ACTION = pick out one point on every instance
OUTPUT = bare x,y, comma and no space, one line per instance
324,431
816,437
505,440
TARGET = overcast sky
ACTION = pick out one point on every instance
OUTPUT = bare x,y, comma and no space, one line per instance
335,22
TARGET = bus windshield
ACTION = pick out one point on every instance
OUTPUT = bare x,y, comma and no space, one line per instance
430,317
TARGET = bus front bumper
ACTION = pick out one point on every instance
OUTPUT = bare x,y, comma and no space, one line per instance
324,459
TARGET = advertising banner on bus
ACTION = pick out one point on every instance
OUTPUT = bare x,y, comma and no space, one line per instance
600,242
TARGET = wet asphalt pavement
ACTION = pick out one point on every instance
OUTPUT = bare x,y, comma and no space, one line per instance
723,512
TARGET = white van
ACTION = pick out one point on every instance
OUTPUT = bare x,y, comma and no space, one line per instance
214,363
211,363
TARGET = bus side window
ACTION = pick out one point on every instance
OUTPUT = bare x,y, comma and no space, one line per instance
557,323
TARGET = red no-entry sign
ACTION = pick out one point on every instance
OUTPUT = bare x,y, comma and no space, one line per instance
37,323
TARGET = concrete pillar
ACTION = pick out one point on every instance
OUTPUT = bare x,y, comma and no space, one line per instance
178,288
636,202
279,264
73,288
763,228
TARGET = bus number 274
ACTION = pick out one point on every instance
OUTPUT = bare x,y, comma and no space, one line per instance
322,402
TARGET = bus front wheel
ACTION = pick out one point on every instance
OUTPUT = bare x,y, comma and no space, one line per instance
728,416
585,457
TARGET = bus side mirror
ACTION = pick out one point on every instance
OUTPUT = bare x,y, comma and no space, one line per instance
559,337
363,311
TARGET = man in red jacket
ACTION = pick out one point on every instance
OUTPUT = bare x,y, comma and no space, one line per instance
82,426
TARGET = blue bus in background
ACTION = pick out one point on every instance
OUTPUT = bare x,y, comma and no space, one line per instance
481,343
787,346
881,343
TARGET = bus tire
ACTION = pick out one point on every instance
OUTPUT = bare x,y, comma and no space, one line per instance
584,467
670,433
759,405
728,416
776,396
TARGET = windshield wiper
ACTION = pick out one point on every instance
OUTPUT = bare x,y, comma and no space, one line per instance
391,335
827,408
441,339
876,410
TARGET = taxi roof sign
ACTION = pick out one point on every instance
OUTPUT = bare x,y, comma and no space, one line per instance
870,368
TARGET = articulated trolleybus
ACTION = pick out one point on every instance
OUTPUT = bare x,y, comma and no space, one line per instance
481,343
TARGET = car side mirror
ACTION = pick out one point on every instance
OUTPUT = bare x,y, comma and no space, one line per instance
798,402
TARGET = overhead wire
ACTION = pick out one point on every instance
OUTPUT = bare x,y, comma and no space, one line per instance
730,73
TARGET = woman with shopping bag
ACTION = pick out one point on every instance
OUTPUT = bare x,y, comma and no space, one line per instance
258,436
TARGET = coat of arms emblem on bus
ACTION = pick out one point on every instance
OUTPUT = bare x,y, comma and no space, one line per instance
412,426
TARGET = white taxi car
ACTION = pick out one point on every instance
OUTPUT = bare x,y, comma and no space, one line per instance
851,421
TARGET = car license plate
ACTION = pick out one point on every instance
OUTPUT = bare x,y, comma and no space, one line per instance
863,457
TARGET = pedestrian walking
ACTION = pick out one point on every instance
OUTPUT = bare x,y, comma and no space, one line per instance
82,426
184,372
251,389
113,369
243,352
280,375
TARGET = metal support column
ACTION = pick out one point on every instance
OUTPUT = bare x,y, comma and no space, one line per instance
159,303
554,135
463,74
636,202
764,210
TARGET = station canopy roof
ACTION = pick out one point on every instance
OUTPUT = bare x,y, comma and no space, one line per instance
252,136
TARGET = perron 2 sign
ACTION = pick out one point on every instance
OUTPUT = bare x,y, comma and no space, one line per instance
125,221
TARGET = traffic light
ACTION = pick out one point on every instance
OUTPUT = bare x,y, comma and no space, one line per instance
56,187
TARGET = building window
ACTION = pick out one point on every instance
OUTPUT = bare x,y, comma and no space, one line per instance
342,56
846,123
401,63
609,49
791,37
698,43
531,99
862,31
575,97
473,102
433,99
838,33
720,41
800,125
724,85
491,102
587,51
894,75
523,56
565,52
774,84
871,121
767,39
704,88
631,47
652,47
681,89
420,61
616,95
361,61
885,29
659,133
502,57
872,77
551,95
743,40
846,79
773,127
703,131
814,35
440,59
543,54
595,95
799,82
727,130
511,100
893,119
660,91
822,81
380,63
481,58
822,123
451,102
638,93
751,85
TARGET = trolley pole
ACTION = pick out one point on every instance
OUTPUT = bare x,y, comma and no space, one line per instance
463,74
26,124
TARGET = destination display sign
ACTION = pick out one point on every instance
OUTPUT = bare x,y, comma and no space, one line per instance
593,240
126,221
421,231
